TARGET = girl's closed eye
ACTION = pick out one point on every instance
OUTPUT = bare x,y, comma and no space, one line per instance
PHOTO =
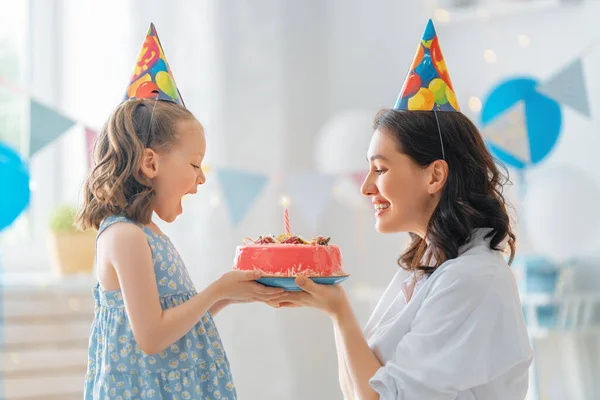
195,166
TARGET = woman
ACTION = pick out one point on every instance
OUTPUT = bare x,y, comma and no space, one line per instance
454,329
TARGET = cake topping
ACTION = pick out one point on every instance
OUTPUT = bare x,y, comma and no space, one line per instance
320,240
293,239
288,238
265,239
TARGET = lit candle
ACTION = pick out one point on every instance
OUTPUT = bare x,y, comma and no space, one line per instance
286,216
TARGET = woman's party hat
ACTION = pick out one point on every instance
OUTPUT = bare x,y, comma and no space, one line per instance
427,86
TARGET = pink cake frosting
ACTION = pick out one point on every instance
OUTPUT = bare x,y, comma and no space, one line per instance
290,259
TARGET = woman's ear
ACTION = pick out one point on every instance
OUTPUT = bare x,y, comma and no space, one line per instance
438,175
150,164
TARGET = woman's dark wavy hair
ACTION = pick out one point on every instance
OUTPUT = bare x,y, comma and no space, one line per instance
472,196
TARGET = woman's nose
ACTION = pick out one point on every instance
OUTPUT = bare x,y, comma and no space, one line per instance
368,187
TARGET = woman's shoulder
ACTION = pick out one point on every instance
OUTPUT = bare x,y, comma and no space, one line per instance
476,268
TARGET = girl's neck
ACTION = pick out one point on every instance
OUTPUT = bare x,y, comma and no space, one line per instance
154,228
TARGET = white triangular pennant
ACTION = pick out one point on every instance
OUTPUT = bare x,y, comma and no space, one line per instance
508,131
309,193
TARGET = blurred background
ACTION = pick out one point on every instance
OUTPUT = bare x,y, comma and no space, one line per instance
287,90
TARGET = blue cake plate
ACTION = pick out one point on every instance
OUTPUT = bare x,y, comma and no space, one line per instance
288,283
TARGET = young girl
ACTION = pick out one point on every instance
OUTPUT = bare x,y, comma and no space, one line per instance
153,335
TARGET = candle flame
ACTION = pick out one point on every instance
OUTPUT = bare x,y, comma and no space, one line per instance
285,201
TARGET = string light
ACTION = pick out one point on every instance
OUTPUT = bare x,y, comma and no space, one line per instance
441,15
483,15
523,40
490,56
475,104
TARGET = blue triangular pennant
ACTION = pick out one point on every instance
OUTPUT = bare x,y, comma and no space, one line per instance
46,125
241,190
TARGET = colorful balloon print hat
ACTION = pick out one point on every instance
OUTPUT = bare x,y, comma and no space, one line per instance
427,86
152,77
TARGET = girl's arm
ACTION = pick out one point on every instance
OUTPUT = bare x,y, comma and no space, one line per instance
126,249
219,306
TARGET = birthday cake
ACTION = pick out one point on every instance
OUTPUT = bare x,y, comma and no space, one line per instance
290,255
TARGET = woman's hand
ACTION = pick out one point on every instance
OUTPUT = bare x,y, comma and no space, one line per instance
240,287
331,299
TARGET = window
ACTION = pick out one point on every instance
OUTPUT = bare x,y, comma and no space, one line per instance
13,100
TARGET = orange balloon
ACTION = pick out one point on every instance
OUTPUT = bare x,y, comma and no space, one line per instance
422,101
452,98
418,57
132,89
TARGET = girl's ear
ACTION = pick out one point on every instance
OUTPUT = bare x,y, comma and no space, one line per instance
150,164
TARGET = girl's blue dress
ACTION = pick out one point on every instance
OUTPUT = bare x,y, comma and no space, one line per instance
194,367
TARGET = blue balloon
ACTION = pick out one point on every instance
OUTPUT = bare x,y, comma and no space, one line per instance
542,114
14,186
426,70
159,66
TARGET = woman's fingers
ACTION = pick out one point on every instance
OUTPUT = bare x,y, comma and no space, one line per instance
300,298
307,284
274,296
288,304
281,304
257,288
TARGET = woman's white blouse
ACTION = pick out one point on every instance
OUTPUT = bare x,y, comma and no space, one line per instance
461,336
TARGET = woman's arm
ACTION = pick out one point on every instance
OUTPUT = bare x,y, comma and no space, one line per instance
351,344
359,359
345,380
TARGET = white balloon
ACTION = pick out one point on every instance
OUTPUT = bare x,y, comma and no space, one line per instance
561,212
341,145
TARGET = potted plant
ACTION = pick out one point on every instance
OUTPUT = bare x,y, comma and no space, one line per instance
72,251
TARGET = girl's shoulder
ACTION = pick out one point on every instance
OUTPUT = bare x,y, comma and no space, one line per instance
114,219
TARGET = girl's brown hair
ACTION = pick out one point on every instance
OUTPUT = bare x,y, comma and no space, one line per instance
473,195
116,185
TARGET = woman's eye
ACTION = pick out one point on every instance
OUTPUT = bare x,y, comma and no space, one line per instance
195,166
379,171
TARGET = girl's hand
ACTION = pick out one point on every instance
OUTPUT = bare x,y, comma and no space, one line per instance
331,299
240,287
